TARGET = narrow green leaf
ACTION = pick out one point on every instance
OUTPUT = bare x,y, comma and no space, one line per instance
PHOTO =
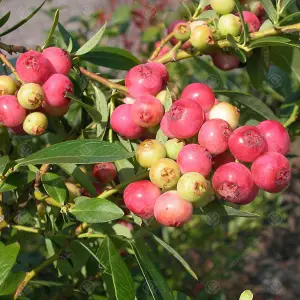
246,295
180,296
273,41
4,160
121,14
102,108
208,14
92,43
168,100
78,152
16,180
55,187
68,39
114,265
245,32
270,9
251,102
291,19
23,21
284,5
204,3
55,22
96,210
241,55
161,137
4,19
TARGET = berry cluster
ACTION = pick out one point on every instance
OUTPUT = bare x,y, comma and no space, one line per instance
23,109
206,153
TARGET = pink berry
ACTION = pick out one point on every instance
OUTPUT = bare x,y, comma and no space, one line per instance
234,183
276,136
161,68
165,127
105,172
200,93
173,40
214,135
122,123
185,118
247,144
97,187
12,114
60,59
194,158
252,21
222,159
18,130
54,111
225,61
271,172
140,197
171,210
33,67
206,115
55,89
143,79
147,111
163,51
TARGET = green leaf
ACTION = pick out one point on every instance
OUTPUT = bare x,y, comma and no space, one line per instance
125,169
284,5
272,41
4,160
111,57
241,55
291,19
208,14
13,28
8,256
245,31
270,9
12,281
176,255
4,19
246,295
92,43
102,107
16,180
55,22
180,296
168,100
114,265
96,210
78,152
251,102
55,187
121,15
68,39
161,137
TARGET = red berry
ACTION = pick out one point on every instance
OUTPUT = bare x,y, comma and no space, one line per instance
143,79
234,183
147,111
225,61
12,114
252,21
222,159
200,93
97,187
54,111
122,123
60,59
171,210
165,127
185,118
276,136
271,172
194,158
161,68
33,67
247,144
140,197
55,89
214,135
105,172
163,51
173,40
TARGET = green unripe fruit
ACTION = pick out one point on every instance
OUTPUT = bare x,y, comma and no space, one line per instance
165,173
7,85
31,95
222,7
173,147
149,152
35,123
182,32
202,38
161,96
193,187
229,24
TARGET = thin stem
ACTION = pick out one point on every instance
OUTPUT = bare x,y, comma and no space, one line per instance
293,117
91,235
111,110
44,168
13,48
161,45
11,67
50,201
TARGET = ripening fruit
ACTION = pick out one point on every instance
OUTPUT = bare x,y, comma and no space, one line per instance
252,20
226,112
229,24
105,172
201,93
222,159
173,148
206,115
143,79
247,144
214,135
193,187
197,23
182,31
33,67
276,136
7,85
31,96
147,111
55,89
202,38
271,172
234,183
171,210
225,61
149,152
222,7
55,111
122,123
162,96
162,70
255,7
173,40
165,173
165,127
185,118
35,123
194,158
12,114
59,58
140,197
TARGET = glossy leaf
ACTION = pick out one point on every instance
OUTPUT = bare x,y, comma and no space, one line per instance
272,41
270,9
77,152
4,19
69,41
16,180
55,187
52,30
4,160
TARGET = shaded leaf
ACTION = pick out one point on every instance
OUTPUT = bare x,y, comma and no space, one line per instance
245,31
16,180
55,187
10,284
52,30
68,39
102,107
291,19
270,9
125,169
4,19
272,41
4,160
